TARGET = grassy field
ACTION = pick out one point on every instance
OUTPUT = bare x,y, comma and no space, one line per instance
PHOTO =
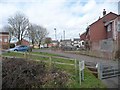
90,81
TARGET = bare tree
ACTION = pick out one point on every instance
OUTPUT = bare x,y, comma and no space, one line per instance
41,33
19,24
32,32
37,33
48,41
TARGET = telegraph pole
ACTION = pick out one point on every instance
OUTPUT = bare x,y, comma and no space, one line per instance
55,34
64,34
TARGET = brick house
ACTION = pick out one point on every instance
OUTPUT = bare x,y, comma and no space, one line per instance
113,36
82,40
4,40
54,43
66,42
25,42
14,40
97,30
103,35
76,42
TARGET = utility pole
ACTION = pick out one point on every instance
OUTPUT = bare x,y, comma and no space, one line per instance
55,34
64,34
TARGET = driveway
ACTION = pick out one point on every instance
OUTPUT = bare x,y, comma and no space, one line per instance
110,82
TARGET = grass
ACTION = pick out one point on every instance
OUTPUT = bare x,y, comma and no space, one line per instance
44,53
90,81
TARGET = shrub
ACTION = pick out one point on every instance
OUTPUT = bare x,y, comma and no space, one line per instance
117,54
12,45
20,73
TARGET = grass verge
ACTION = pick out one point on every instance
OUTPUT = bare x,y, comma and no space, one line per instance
90,81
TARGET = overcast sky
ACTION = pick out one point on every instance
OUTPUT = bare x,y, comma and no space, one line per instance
73,16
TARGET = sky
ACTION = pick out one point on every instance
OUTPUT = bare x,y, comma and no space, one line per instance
71,16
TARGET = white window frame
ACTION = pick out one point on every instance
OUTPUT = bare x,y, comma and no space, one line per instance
0,39
118,27
109,27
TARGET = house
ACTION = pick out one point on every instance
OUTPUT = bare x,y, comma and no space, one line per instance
4,40
48,42
14,40
112,43
54,43
97,31
82,40
76,42
25,42
103,35
66,42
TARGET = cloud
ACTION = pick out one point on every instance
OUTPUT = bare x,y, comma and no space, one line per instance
71,16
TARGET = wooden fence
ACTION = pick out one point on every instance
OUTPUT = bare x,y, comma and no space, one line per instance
75,64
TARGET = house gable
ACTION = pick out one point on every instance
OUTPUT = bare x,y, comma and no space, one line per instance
97,30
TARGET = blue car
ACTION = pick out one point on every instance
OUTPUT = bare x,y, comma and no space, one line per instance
21,48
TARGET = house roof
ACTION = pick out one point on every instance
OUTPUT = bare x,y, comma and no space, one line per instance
15,40
76,39
55,41
103,17
66,40
4,32
83,36
25,40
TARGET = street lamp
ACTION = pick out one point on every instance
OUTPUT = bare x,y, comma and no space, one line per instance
55,34
64,34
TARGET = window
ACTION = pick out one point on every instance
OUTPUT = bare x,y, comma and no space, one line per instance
82,43
118,26
5,40
0,39
109,27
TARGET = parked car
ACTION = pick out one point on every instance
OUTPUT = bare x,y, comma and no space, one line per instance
68,48
21,48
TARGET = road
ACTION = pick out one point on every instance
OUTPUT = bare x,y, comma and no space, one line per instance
110,82
81,57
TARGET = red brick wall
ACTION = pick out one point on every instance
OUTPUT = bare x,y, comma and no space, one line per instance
97,30
4,45
119,35
24,42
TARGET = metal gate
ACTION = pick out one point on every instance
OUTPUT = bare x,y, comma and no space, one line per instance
105,72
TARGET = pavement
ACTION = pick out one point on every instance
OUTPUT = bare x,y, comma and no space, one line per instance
110,82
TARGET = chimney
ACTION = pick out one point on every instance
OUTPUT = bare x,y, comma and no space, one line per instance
104,12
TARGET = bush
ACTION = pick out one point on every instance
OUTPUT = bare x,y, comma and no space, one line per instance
20,73
117,54
12,45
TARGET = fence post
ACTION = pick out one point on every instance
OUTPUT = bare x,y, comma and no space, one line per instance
25,55
79,73
50,62
29,55
76,68
99,71
82,75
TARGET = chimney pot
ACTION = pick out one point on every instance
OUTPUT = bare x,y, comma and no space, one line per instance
104,12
